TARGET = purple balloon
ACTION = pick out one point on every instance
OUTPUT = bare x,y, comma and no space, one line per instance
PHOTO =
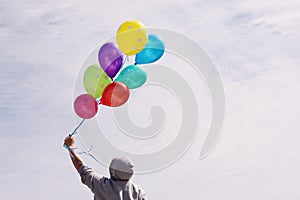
110,59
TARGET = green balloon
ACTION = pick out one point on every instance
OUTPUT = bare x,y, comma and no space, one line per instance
133,76
95,80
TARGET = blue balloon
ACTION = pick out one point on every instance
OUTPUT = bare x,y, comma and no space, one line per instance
133,76
153,50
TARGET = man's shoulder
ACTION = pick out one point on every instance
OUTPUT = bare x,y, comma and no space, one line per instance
137,188
139,191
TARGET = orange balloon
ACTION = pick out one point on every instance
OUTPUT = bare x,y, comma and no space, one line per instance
115,94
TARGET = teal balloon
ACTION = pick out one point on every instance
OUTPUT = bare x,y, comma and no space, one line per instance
133,76
153,51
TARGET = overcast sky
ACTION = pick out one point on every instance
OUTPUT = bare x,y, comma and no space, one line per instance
254,44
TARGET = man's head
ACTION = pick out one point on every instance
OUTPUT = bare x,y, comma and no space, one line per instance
121,169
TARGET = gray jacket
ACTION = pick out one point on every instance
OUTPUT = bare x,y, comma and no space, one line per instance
118,187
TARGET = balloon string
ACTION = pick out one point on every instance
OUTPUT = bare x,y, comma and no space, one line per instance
89,154
125,60
82,121
83,152
75,130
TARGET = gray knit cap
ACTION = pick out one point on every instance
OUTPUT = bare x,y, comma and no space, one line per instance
121,168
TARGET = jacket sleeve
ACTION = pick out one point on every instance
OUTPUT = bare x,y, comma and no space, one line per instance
89,177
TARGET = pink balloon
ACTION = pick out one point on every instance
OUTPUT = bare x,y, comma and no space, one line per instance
85,106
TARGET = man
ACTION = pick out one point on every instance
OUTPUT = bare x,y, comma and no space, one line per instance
118,187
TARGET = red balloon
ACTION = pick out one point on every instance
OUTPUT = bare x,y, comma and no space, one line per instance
85,106
115,94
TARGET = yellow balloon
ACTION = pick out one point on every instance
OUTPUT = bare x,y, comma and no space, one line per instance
132,37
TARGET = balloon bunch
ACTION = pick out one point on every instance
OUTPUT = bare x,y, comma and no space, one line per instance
99,79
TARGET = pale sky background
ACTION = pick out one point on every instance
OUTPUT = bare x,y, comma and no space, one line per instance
254,44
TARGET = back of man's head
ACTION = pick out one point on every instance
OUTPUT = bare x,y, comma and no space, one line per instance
121,168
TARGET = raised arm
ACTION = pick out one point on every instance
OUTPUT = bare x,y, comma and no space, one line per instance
76,159
87,174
